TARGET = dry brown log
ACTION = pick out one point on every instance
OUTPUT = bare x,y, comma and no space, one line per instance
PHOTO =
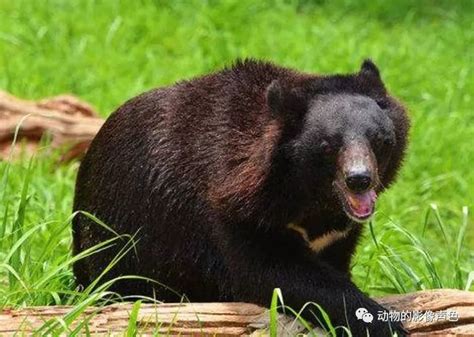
235,319
436,301
71,124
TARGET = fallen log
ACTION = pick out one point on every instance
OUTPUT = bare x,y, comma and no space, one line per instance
70,122
231,319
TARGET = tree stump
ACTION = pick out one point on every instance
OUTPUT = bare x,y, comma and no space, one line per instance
70,122
228,319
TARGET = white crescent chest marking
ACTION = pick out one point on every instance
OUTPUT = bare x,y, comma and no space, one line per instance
320,242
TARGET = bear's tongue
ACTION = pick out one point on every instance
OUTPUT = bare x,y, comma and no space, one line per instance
362,205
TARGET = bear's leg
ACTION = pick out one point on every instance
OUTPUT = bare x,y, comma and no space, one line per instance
255,272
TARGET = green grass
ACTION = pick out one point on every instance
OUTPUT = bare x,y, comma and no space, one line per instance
108,51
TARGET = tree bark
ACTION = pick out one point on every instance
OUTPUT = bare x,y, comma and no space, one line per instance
71,124
229,319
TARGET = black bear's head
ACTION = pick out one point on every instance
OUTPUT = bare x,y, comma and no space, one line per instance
343,138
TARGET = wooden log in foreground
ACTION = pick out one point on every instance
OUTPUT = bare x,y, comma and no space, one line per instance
235,319
70,122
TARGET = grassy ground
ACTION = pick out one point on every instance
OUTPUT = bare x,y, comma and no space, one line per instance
108,51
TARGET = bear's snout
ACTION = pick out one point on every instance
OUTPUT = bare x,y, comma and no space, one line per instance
357,179
358,166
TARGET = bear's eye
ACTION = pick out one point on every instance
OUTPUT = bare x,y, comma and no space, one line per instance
325,147
387,141
382,142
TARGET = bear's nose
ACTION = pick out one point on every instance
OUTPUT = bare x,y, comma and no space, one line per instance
358,181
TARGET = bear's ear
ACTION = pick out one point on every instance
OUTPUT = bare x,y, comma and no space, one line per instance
275,97
282,100
368,68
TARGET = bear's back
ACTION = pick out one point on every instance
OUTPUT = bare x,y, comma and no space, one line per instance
153,162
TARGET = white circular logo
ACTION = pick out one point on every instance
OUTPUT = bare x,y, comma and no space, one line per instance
360,312
367,317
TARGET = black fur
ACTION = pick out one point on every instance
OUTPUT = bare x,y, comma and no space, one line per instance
209,172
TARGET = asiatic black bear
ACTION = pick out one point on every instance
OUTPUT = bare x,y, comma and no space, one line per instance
235,183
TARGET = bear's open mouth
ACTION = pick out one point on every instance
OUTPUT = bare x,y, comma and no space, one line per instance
358,206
